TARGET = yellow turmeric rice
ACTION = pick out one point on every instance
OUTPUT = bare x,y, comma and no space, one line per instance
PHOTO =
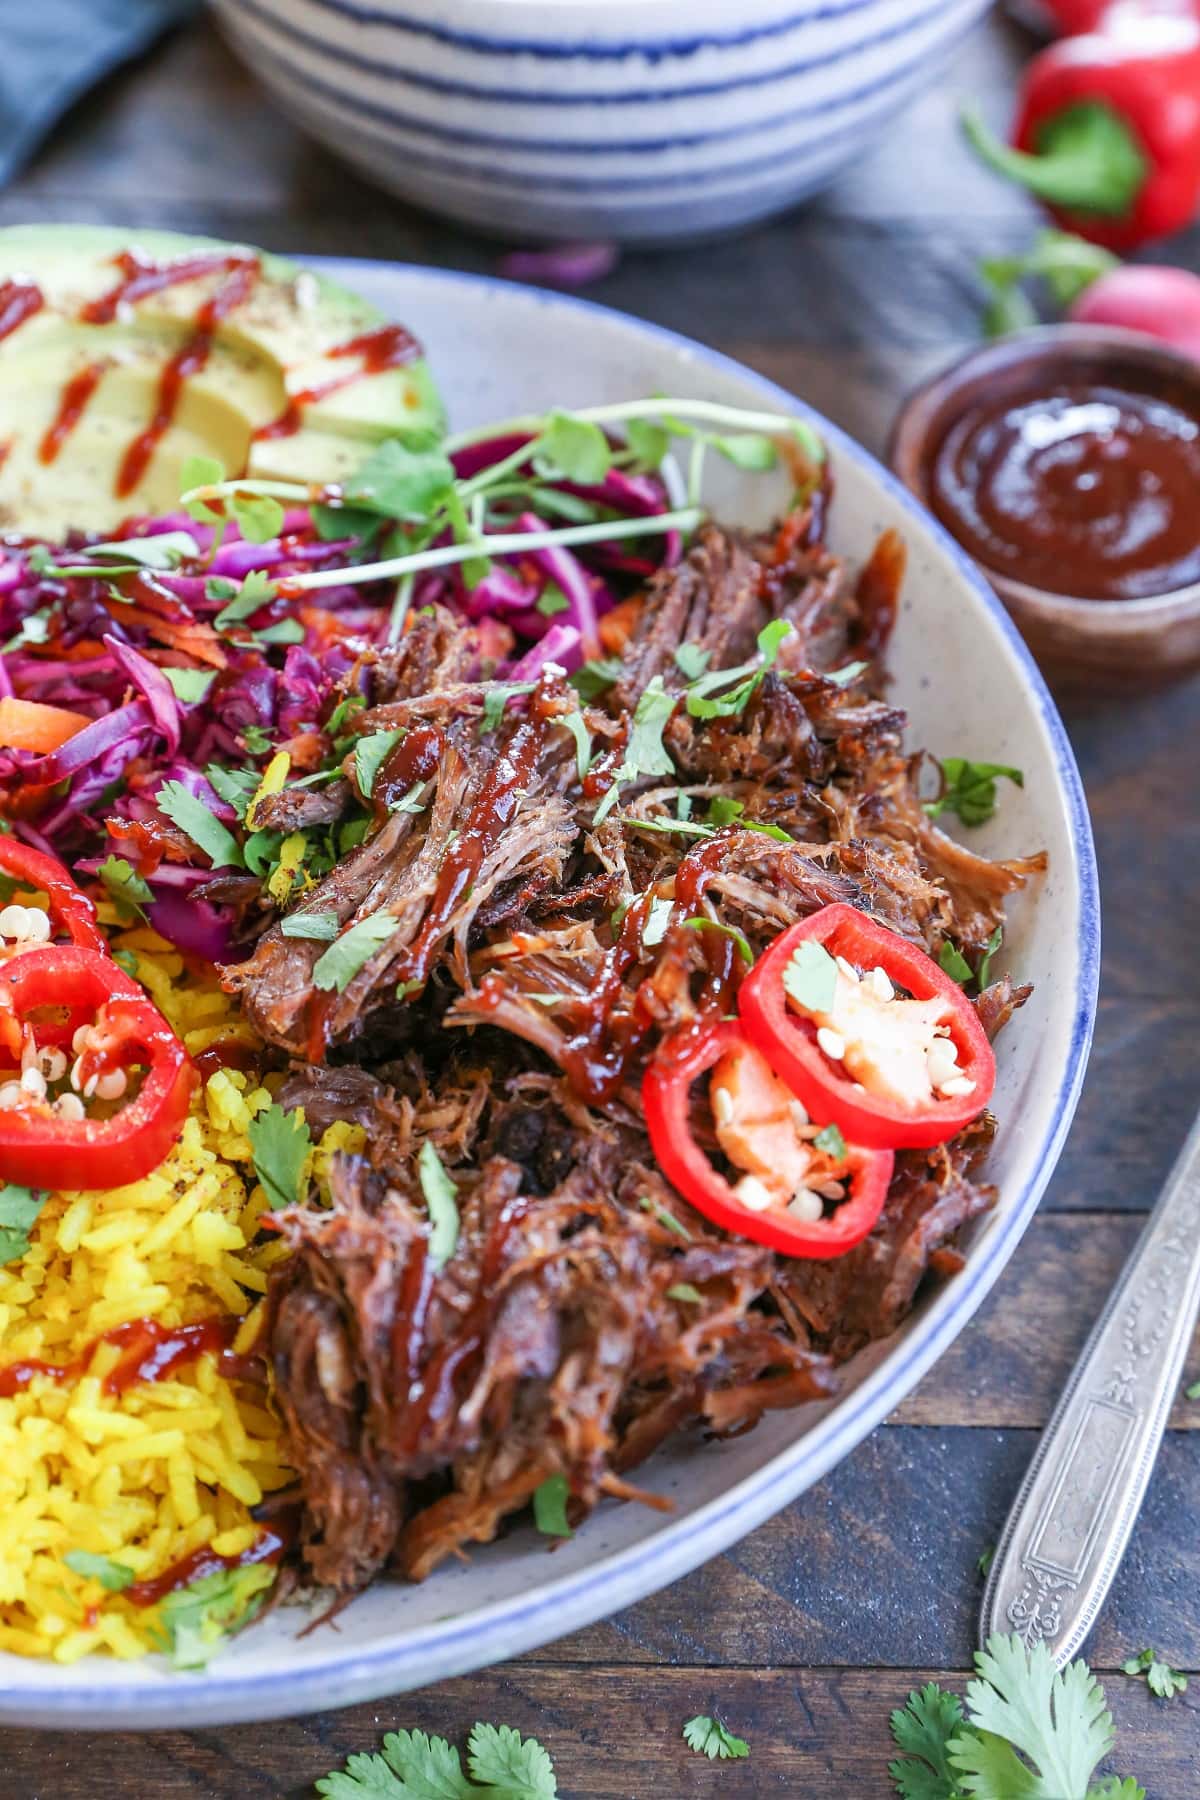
148,1475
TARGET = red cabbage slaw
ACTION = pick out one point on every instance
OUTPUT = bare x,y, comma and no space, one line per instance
171,690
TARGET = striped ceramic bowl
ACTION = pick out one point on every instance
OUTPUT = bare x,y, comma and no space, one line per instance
644,120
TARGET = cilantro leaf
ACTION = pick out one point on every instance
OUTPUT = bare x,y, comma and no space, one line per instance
200,471
401,481
196,1619
648,441
645,752
246,600
831,1143
348,953
985,1560
665,1217
595,676
810,978
1161,1678
969,789
550,1507
574,723
691,661
369,757
190,685
441,1198
236,787
500,1757
19,1208
708,1737
128,890
703,923
259,516
280,1143
497,698
286,631
923,1730
112,1576
984,972
724,809
191,815
413,1766
845,675
552,601
747,450
320,927
746,678
683,1290
572,449
953,963
1019,1702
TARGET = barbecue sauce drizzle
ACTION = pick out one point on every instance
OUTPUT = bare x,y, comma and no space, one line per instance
149,1352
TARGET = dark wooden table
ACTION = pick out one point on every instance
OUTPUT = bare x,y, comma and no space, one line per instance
804,1635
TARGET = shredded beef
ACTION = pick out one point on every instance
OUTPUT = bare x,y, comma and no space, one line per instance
503,1021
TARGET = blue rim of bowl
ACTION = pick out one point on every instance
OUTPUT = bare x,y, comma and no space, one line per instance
504,1628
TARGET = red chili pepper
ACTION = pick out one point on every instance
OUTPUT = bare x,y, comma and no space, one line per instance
1107,132
666,1095
71,911
829,1089
38,1146
1075,18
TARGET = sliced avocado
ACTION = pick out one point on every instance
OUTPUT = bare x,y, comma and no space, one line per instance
101,383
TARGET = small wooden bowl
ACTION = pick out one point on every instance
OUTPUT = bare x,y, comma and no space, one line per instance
1113,643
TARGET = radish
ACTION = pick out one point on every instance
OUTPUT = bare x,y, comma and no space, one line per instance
1159,301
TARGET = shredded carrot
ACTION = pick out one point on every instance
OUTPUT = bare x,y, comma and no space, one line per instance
619,625
30,725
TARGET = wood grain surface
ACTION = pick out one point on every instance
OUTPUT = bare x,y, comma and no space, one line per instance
807,1633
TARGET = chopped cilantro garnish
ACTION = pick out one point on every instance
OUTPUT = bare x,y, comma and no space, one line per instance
280,1143
746,678
645,752
321,927
572,449
984,972
552,601
287,631
193,817
574,723
703,923
953,963
112,1576
248,599
708,1737
441,1197
831,1143
969,789
683,1290
190,685
550,1506
594,677
665,1216
401,480
259,517
497,698
350,952
235,786
371,754
19,1209
810,978
197,1619
125,887
691,661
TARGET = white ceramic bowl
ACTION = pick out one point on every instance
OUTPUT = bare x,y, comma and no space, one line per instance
644,120
970,687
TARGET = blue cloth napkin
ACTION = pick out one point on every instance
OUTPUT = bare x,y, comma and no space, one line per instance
54,50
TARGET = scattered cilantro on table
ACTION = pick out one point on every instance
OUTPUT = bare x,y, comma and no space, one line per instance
1028,1732
1161,1678
280,1143
412,1766
708,1737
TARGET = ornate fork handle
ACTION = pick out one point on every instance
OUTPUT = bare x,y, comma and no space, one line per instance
1068,1529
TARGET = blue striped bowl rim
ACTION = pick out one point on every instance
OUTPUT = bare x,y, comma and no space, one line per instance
268,23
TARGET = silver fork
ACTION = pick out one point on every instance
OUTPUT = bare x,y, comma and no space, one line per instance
1068,1529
